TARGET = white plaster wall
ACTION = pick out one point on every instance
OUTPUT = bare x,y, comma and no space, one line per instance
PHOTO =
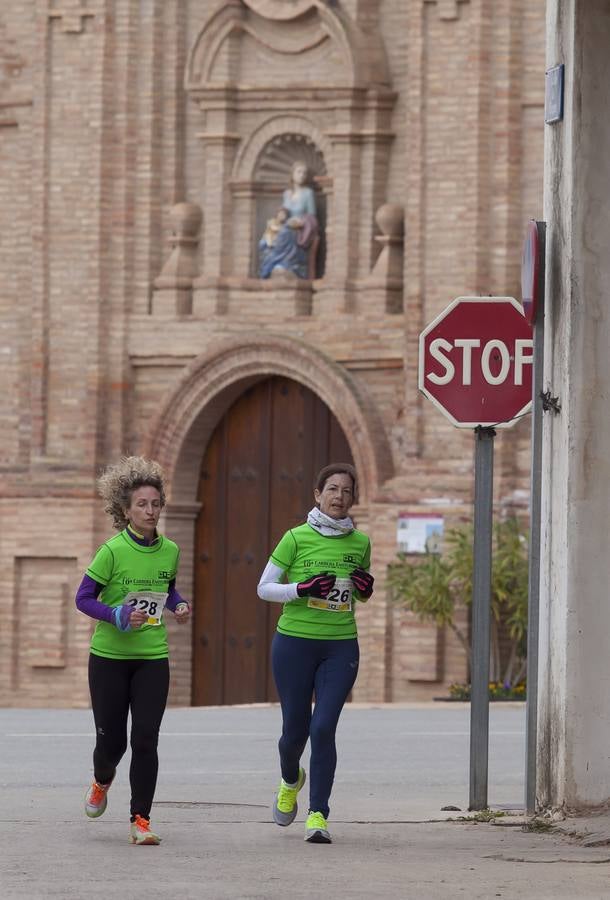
574,709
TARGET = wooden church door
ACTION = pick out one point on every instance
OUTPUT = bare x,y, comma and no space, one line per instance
256,481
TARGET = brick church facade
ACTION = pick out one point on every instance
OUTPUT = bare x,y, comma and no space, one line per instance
143,146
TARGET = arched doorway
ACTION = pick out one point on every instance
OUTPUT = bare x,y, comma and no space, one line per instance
255,482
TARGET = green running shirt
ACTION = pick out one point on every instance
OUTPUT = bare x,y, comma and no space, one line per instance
123,566
304,552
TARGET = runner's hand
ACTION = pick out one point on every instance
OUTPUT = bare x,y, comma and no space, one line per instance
182,613
363,582
126,617
317,586
138,617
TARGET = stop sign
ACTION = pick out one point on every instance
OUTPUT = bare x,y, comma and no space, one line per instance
475,361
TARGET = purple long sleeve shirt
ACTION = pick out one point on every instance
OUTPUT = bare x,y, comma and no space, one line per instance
90,589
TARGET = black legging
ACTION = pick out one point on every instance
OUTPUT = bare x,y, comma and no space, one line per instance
118,686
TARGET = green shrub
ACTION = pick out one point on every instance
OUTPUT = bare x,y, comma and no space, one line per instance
433,584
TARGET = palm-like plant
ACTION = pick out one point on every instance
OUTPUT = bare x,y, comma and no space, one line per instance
432,585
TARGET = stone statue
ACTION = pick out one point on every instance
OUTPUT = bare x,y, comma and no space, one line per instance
291,237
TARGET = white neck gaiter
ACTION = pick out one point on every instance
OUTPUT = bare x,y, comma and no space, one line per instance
327,526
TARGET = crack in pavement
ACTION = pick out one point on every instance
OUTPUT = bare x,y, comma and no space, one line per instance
520,859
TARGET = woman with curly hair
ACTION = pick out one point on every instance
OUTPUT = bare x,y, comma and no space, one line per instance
130,583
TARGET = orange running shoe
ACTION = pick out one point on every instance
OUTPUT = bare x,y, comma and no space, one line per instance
140,833
96,800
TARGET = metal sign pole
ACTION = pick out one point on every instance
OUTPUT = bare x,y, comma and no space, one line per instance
481,617
533,613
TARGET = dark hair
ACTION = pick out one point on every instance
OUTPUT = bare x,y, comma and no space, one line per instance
337,469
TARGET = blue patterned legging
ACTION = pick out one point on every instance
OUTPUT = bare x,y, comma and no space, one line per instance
303,667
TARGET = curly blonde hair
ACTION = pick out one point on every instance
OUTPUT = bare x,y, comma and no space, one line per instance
117,483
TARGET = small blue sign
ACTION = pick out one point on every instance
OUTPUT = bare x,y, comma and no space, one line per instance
553,95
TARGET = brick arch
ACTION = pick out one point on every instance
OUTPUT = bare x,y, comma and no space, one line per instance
213,381
274,127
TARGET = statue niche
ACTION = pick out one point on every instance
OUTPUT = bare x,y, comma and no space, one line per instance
290,215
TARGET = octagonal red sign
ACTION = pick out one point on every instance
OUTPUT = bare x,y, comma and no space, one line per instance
475,362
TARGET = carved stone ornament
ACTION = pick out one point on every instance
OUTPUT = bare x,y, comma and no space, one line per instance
181,267
311,40
280,9
280,154
172,294
387,273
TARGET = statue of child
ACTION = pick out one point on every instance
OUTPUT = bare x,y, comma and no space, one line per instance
274,226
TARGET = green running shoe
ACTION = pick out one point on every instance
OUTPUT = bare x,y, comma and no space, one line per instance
316,829
285,805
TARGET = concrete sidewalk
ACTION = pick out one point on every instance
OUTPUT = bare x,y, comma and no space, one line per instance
398,766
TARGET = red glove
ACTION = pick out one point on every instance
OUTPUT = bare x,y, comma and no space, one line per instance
363,582
316,586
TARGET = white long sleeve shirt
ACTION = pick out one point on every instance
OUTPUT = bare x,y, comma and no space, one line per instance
271,587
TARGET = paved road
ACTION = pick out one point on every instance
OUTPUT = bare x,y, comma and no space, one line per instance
398,767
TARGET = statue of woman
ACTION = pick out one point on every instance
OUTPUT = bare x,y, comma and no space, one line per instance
293,237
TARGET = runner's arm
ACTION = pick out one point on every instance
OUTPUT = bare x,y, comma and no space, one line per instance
173,597
271,588
87,602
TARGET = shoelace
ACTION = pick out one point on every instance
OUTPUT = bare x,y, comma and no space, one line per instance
316,820
97,794
286,797
142,823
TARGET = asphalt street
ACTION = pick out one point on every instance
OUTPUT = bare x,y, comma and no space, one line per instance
398,765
